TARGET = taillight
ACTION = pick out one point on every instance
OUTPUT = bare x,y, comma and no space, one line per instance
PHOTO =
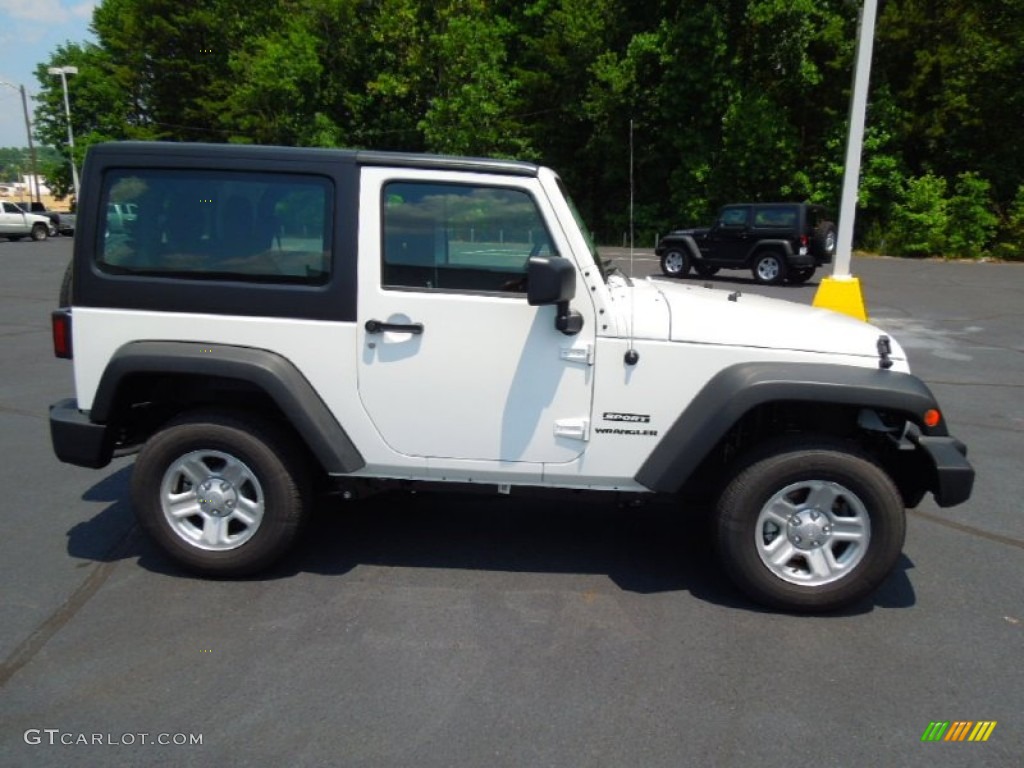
803,240
60,321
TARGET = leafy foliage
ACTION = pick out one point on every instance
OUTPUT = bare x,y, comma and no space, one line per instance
722,101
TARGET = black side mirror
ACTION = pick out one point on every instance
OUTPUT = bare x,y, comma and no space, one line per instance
552,280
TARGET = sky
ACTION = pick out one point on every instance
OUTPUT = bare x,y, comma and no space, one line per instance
30,31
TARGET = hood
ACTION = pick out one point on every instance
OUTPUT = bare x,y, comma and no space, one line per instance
709,316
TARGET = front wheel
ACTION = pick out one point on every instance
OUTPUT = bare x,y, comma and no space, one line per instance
40,232
810,526
221,493
675,263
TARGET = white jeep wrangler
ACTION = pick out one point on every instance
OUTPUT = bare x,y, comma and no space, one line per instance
274,321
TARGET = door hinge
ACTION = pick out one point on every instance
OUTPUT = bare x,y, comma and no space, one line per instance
582,354
574,429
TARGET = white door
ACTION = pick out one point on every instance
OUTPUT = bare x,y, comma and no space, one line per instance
453,361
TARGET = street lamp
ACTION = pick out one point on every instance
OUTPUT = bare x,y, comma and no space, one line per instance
64,72
31,146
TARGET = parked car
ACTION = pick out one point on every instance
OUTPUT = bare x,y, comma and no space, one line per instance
67,223
39,209
776,241
443,322
16,223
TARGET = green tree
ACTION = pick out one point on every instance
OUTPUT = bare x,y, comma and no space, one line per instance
727,100
1011,231
972,222
920,218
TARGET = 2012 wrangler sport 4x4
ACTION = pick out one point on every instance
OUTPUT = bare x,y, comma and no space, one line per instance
280,320
775,241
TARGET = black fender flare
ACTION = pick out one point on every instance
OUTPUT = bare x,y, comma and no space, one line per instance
685,241
734,391
272,373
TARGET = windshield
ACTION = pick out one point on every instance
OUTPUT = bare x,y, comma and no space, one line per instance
583,229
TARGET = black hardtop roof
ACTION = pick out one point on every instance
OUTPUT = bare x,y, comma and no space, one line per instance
170,150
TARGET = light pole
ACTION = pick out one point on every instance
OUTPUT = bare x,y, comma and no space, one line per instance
64,72
842,291
31,146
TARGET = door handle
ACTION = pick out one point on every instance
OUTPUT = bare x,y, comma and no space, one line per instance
376,326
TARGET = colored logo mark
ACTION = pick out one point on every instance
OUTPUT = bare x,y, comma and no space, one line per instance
959,730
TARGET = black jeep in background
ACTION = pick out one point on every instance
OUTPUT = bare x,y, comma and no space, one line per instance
776,241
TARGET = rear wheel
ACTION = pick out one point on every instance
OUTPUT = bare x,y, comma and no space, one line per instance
810,525
40,232
675,263
221,493
769,267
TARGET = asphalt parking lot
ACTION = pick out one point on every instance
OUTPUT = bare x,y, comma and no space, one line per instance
468,631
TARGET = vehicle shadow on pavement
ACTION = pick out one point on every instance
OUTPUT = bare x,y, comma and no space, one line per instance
110,535
645,549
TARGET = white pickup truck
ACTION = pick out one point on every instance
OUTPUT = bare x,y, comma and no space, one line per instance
280,320
15,223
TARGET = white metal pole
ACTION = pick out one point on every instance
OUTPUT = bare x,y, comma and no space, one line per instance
64,72
71,135
855,140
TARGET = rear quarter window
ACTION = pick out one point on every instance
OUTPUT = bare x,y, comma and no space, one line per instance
775,218
202,224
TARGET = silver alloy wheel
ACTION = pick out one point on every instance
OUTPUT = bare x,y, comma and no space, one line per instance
830,242
212,500
813,533
674,262
768,268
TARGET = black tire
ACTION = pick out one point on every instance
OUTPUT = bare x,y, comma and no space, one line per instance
704,270
65,296
823,241
40,232
241,478
800,275
813,567
769,267
675,262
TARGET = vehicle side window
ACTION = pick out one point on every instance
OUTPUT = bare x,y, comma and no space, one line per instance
204,224
734,217
783,218
459,237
